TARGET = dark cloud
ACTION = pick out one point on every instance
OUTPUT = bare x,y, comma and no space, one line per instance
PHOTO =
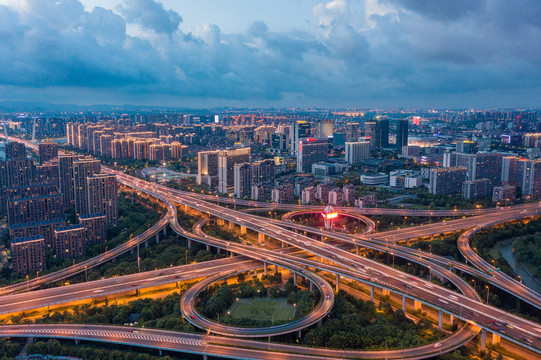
55,49
150,15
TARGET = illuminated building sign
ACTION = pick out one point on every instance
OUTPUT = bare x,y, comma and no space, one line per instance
330,215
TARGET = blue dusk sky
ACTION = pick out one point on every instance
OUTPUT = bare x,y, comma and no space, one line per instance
339,53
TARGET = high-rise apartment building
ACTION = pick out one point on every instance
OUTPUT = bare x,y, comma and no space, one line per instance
482,166
95,226
531,185
15,150
243,180
82,169
476,189
370,132
65,179
102,197
466,147
357,151
70,241
352,132
47,151
28,254
311,151
446,181
207,168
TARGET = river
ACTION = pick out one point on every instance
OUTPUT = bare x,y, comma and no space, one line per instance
506,250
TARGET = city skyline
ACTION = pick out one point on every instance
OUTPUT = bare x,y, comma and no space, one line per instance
324,53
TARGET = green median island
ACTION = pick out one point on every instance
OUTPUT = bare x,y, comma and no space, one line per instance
260,312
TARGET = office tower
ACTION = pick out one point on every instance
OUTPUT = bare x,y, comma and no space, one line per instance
226,164
70,241
82,169
15,150
382,133
531,185
476,189
28,254
280,142
402,133
311,151
324,128
102,197
301,129
352,132
357,151
47,151
466,147
339,139
207,168
243,180
65,179
95,226
446,181
370,128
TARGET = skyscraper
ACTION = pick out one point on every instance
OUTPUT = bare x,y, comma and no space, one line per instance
65,179
370,132
402,133
243,179
28,254
311,151
301,130
446,181
382,133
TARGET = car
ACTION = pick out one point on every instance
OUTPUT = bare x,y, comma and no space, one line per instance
133,285
437,345
443,301
193,317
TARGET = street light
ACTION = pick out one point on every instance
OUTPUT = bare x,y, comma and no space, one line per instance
27,284
488,292
405,217
186,256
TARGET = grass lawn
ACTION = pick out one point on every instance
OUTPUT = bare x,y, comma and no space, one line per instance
276,310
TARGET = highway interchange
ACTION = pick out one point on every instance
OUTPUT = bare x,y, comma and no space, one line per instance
340,261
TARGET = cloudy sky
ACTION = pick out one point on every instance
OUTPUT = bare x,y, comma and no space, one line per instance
365,53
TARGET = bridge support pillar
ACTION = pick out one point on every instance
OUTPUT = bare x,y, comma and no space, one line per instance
231,225
372,293
357,249
483,339
189,243
337,283
299,334
185,208
160,352
495,339
77,341
385,292
157,238
283,244
265,269
205,357
208,247
417,305
295,279
404,303
146,243
320,322
276,269
218,251
311,286
165,231
440,320
260,237
243,230
451,320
